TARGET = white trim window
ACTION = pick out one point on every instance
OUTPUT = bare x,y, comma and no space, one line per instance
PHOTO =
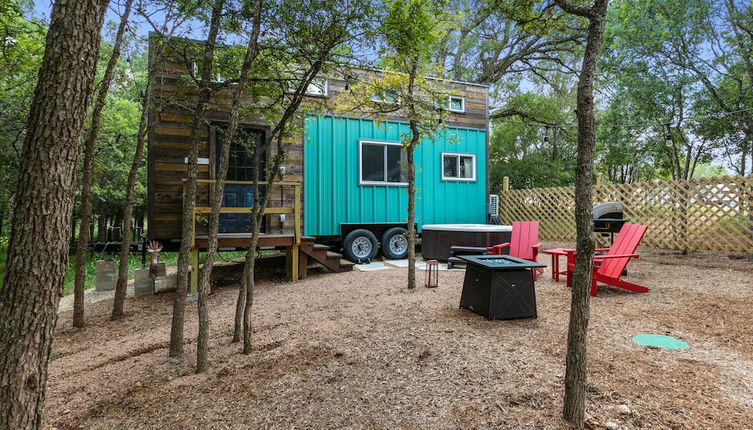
318,88
389,97
381,163
458,166
456,104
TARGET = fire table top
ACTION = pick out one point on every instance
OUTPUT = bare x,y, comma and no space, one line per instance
500,262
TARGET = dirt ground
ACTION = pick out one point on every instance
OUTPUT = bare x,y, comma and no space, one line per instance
357,350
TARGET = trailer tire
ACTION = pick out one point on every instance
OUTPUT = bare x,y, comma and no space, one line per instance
360,245
395,243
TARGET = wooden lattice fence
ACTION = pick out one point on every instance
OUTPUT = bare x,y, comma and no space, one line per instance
699,214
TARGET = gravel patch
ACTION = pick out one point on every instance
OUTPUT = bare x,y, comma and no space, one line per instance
358,350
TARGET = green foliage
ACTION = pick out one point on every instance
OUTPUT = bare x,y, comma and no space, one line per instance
409,83
21,49
533,154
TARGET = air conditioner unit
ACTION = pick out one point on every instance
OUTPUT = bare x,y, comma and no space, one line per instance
493,207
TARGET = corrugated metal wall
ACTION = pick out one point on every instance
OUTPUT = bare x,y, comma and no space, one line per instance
334,196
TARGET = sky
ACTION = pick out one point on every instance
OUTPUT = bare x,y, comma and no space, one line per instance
42,9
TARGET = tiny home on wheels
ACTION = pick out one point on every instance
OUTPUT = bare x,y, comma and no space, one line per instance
343,182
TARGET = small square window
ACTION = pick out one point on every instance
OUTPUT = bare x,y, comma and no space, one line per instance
317,87
458,167
456,104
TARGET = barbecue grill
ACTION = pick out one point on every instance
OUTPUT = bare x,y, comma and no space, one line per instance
608,218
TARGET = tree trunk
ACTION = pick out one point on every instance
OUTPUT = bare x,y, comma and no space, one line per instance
100,227
219,190
411,227
125,245
87,167
414,140
42,209
576,364
245,296
250,284
257,214
189,199
240,303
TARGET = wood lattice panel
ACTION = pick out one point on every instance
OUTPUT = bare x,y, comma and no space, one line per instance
699,214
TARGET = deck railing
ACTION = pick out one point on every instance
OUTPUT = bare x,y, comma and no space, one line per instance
295,211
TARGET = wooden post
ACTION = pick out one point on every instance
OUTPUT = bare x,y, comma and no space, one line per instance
504,199
291,262
295,251
599,179
194,271
303,262
297,213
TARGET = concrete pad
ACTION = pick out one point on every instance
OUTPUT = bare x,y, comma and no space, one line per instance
374,265
398,263
442,266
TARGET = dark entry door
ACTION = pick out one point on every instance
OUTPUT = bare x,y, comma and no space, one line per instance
239,168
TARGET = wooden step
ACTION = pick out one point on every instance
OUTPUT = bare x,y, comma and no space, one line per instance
334,255
329,259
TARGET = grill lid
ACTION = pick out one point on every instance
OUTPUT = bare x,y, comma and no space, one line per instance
608,210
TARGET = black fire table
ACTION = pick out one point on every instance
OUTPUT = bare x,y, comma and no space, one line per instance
499,286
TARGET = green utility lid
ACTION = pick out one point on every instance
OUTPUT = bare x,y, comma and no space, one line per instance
659,341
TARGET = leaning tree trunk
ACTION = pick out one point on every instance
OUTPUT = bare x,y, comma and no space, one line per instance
202,342
576,365
248,283
125,245
37,258
189,198
245,295
248,286
88,166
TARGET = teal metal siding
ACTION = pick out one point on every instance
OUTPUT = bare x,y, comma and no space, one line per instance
332,194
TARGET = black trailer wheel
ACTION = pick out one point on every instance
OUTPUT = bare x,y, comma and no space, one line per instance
395,243
360,245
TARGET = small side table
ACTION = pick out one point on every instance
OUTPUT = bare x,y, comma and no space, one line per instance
556,253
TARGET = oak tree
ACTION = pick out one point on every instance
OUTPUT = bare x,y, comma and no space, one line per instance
37,256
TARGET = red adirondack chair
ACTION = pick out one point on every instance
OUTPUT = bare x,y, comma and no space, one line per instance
524,243
608,268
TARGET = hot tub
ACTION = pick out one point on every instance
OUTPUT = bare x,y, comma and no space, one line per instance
436,239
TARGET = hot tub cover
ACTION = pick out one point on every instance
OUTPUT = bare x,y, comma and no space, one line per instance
481,228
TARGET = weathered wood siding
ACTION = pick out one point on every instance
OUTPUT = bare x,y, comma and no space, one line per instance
169,144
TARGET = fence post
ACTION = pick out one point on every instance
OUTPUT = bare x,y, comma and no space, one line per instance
504,200
599,179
